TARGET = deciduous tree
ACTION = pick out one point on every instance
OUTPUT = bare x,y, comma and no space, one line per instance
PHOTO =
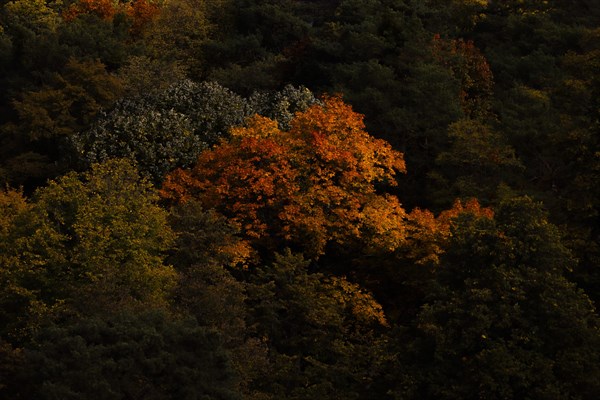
163,130
86,243
311,185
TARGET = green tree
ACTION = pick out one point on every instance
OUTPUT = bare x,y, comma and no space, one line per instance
323,332
577,205
32,27
208,254
250,51
89,36
86,243
34,144
147,355
501,321
12,365
180,32
142,75
455,18
476,163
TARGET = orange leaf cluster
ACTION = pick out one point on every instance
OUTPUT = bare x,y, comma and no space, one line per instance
105,9
428,234
470,206
310,185
142,12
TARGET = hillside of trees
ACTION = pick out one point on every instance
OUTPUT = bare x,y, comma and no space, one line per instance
299,199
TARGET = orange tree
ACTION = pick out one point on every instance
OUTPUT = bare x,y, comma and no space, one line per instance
305,187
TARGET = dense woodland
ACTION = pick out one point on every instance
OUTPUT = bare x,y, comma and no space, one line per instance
318,199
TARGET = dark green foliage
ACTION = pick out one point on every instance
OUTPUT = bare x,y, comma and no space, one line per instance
544,67
31,26
255,51
147,355
324,333
207,255
181,31
501,321
34,143
475,164
12,366
90,37
206,245
143,75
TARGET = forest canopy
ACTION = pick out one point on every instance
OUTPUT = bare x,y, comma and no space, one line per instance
324,199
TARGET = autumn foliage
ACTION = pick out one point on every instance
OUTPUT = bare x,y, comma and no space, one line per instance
311,185
429,234
104,9
182,218
141,12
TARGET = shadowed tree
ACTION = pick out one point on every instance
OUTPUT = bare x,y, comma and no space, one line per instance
500,320
148,355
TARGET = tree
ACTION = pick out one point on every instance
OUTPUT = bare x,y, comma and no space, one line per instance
28,45
90,36
11,367
379,54
15,297
456,18
180,31
323,332
309,186
470,67
162,131
86,243
252,49
208,255
577,204
476,163
281,106
142,75
543,56
32,27
400,279
501,321
167,129
147,355
34,145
